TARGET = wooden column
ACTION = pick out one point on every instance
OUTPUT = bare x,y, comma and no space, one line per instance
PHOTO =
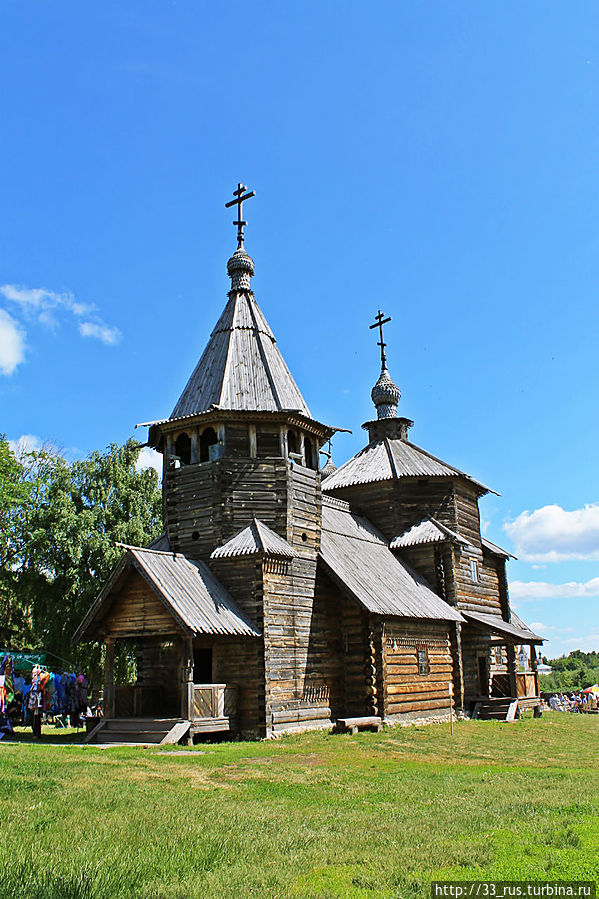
187,679
193,457
458,668
253,441
533,667
512,668
283,441
109,678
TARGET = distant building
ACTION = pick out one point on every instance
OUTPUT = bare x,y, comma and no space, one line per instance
282,596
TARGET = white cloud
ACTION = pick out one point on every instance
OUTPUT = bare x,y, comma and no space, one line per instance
530,590
102,332
40,301
47,306
26,443
553,534
149,458
586,643
539,628
12,343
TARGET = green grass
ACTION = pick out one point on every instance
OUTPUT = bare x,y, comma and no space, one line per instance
314,815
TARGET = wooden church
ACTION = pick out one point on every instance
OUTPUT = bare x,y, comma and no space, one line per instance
282,596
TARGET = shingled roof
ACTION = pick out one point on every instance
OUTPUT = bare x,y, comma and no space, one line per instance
189,590
256,538
359,560
389,459
241,368
427,531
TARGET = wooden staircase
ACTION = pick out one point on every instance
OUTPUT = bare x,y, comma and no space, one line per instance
139,731
501,709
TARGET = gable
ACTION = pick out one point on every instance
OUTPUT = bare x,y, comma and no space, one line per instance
137,611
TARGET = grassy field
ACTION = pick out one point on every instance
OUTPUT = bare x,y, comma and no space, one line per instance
314,815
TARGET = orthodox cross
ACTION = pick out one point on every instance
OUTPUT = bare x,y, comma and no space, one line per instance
380,320
240,196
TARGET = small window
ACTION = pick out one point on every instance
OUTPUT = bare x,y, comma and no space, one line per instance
309,453
208,439
291,442
183,448
423,662
474,573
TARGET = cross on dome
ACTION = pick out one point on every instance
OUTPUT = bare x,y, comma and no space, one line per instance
385,394
240,197
380,320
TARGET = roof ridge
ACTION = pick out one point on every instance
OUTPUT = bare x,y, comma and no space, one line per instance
265,362
392,464
453,468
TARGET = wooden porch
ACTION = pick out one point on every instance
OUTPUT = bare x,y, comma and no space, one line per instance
213,708
527,685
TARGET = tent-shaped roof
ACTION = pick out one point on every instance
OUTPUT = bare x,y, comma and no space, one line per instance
359,560
389,459
256,538
189,590
427,531
241,368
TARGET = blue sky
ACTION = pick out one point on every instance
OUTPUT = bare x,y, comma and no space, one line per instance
439,161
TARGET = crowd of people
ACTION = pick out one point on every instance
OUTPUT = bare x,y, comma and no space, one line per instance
582,701
39,696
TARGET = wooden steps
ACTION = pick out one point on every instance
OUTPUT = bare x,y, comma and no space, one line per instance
503,709
161,731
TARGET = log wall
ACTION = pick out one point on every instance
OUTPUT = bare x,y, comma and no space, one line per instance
240,662
395,506
208,503
138,612
297,691
406,690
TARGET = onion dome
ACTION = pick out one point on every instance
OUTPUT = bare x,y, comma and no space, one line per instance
241,268
328,469
385,395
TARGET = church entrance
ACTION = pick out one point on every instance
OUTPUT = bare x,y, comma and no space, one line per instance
202,665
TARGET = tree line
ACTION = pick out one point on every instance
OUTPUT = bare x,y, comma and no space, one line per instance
59,523
571,673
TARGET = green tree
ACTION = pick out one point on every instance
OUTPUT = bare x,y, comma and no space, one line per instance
571,673
72,516
16,498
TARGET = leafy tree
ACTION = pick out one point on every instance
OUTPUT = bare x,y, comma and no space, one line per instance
16,497
571,673
71,516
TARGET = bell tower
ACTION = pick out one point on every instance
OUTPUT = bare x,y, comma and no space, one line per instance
241,433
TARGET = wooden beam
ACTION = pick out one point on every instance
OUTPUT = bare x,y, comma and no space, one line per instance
109,678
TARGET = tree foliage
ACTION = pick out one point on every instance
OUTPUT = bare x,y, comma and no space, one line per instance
57,540
572,672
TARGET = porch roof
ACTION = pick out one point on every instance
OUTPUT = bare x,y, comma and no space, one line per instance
189,590
516,630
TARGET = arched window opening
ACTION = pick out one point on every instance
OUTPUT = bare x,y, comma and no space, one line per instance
309,453
183,448
207,440
291,442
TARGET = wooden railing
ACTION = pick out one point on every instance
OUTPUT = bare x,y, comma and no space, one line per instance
214,701
527,683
